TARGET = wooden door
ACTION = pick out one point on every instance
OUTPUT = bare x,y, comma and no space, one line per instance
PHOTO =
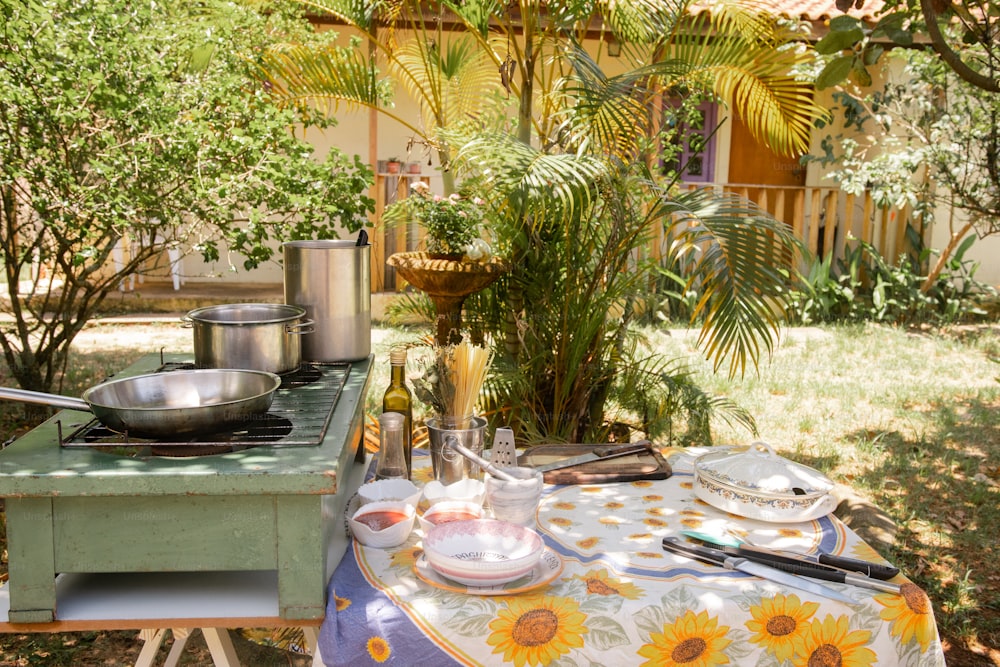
754,164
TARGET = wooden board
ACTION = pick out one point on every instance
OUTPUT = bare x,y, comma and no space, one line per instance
645,465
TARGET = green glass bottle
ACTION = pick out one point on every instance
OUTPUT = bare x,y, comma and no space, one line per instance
398,398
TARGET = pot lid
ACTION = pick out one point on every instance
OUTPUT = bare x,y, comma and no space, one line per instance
758,469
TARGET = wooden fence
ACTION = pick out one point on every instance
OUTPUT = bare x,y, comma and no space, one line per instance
825,218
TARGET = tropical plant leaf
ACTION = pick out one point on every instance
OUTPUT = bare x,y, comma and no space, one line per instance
744,258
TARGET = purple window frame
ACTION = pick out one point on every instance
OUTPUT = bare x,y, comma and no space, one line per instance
707,154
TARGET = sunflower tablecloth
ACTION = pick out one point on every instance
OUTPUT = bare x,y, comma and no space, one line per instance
621,600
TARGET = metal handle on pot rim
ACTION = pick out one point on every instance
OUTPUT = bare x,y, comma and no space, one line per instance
303,327
186,322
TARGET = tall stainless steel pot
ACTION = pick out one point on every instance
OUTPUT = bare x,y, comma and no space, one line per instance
332,281
254,336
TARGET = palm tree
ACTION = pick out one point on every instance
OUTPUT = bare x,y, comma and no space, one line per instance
575,201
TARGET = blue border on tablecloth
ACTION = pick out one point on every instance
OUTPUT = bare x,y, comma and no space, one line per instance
339,641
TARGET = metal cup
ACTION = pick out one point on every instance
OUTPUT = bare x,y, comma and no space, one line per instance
449,466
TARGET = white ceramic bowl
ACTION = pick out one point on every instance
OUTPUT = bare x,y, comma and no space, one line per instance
383,524
449,510
483,552
383,490
468,490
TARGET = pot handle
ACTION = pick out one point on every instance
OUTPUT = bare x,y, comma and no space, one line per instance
186,322
303,327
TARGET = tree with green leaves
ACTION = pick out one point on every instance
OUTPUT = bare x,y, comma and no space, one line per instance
141,126
573,201
962,34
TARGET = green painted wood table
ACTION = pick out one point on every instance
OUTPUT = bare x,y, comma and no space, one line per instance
264,508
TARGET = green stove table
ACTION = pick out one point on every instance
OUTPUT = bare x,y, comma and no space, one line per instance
266,508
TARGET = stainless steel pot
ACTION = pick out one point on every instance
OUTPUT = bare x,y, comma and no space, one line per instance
332,280
254,336
161,405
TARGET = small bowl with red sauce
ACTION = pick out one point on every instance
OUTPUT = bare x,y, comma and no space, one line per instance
449,510
383,524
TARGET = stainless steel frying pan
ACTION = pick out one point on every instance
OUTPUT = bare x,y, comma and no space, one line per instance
158,405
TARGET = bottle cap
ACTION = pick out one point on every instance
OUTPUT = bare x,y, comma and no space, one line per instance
397,356
390,421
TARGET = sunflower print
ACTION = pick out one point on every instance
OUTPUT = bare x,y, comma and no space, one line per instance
561,521
693,640
910,614
778,622
378,649
653,522
600,582
564,505
831,642
614,505
405,556
537,630
588,542
652,498
341,603
658,511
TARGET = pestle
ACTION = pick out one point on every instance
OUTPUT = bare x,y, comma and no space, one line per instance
480,461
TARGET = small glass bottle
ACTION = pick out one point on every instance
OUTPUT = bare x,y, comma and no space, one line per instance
398,398
391,457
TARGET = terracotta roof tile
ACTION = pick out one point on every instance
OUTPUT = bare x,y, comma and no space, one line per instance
811,10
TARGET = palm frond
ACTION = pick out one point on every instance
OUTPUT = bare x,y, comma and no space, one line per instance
330,75
739,273
643,21
746,61
452,79
533,184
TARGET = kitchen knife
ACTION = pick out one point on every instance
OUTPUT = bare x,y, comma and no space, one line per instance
599,454
784,577
874,570
808,569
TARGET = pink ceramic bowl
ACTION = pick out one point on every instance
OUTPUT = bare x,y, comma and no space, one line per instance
482,552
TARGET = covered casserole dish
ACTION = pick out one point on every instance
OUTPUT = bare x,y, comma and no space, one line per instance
755,482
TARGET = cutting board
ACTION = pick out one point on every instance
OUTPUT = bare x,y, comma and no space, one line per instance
644,465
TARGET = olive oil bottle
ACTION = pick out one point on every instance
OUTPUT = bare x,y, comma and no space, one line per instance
398,398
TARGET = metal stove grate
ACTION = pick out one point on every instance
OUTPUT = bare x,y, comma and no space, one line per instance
299,416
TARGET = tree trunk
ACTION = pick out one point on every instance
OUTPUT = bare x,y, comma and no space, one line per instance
939,265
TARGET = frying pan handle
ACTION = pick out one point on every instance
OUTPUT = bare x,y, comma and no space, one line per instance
41,398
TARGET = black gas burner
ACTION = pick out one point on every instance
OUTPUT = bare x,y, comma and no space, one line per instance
299,416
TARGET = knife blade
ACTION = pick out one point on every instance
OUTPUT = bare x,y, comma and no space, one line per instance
598,454
809,569
786,578
874,570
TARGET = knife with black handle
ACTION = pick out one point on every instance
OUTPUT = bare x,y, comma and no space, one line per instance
781,576
874,570
804,568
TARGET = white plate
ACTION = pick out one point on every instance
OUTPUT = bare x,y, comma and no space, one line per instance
549,566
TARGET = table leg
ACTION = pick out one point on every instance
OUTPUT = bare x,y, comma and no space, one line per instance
177,648
31,554
220,645
152,638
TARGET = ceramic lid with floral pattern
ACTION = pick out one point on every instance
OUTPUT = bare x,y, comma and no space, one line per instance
758,469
